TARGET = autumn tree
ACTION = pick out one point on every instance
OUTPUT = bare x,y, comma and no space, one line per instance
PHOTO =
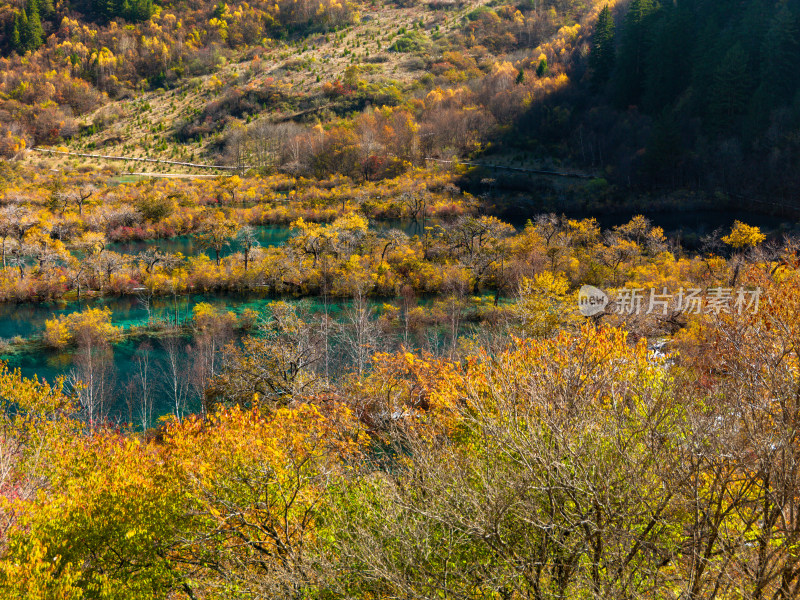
105,529
273,368
218,233
92,377
257,486
174,375
744,236
478,244
467,508
248,242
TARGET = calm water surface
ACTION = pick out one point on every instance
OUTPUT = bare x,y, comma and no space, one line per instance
26,320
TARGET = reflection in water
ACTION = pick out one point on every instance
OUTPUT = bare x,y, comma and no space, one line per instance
124,359
28,319
187,244
268,236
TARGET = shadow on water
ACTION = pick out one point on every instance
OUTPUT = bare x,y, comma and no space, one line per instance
29,320
188,244
685,227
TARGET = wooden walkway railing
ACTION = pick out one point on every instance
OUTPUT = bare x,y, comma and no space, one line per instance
518,169
149,160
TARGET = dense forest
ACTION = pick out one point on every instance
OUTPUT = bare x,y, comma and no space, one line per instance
688,94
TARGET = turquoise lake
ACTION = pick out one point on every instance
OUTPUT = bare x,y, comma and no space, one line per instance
28,319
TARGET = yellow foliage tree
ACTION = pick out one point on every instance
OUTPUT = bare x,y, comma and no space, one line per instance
93,323
744,236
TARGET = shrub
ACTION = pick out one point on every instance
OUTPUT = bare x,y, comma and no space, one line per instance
409,42
155,208
207,317
91,325
479,12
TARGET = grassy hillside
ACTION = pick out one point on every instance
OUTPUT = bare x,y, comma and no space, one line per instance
193,83
658,97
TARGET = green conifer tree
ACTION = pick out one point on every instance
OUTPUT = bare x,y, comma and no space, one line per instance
604,52
34,35
669,62
16,37
730,90
542,70
46,8
636,38
782,53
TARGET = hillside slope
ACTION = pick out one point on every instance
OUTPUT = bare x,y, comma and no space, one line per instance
387,83
691,94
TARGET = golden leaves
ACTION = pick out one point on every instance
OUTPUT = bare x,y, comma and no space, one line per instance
92,323
744,236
